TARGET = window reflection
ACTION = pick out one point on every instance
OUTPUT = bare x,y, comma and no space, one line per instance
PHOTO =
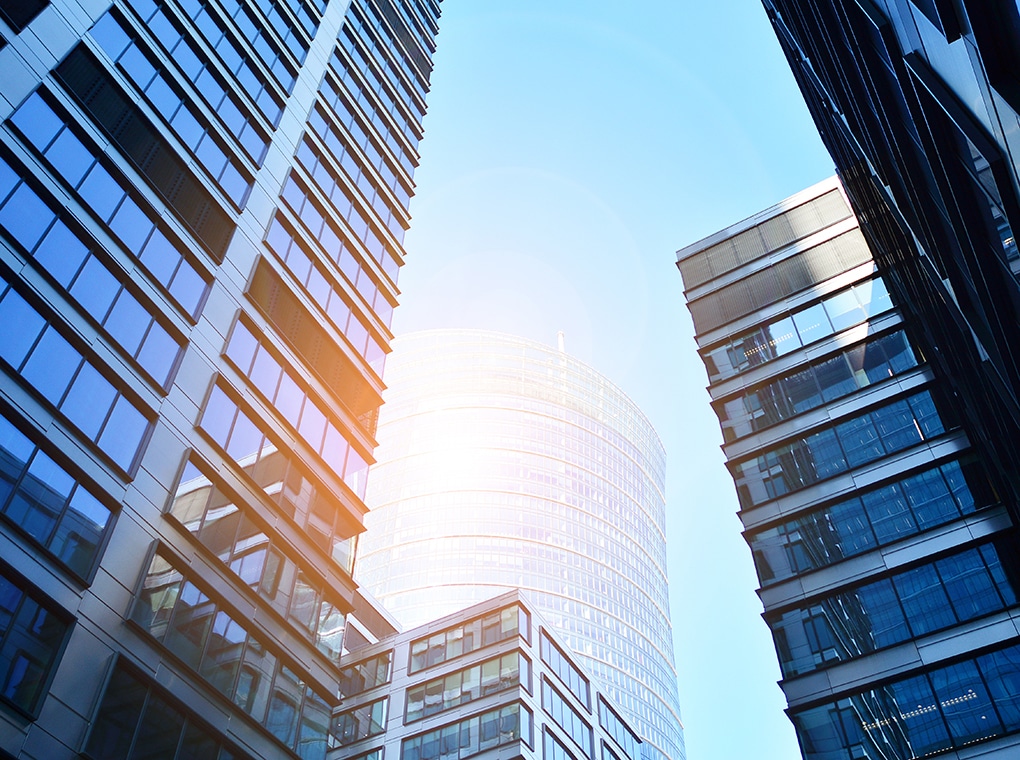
874,518
778,338
227,527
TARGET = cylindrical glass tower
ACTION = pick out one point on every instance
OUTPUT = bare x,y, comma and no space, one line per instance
503,463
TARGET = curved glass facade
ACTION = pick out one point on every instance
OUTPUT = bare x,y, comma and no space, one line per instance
503,463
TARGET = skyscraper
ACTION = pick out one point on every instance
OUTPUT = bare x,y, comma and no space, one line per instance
917,102
506,464
886,554
202,207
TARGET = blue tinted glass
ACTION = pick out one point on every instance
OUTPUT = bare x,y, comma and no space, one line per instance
860,441
825,455
188,128
61,253
930,499
926,415
241,348
52,365
924,728
889,514
89,400
218,416
884,623
69,157
969,585
131,225
101,192
15,449
160,257
159,353
21,327
110,36
37,121
245,438
80,531
163,98
128,321
924,600
40,498
965,703
188,287
123,433
1006,588
138,67
26,217
896,426
851,527
95,288
1002,674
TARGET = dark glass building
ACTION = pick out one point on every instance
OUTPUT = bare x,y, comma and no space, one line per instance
202,208
884,544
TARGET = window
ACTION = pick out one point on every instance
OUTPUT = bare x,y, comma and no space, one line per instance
285,244
622,734
463,686
226,527
471,736
63,253
113,111
861,619
565,669
945,708
875,518
45,502
230,657
33,632
67,380
492,628
365,675
566,717
176,109
786,333
851,443
363,722
135,714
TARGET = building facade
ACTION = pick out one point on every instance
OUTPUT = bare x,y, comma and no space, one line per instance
490,681
202,207
507,464
917,101
885,552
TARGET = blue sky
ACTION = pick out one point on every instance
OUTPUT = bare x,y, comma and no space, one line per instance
571,147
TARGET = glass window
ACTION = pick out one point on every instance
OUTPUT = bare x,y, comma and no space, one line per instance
32,636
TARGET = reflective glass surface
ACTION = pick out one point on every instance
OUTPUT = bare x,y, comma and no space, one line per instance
504,464
944,708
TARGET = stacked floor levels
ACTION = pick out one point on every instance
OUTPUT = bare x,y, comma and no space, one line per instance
888,564
202,207
490,681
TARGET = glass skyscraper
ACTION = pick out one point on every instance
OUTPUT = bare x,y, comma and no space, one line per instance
886,554
202,208
505,464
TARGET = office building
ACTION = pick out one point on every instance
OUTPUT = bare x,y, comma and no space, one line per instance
917,102
490,681
202,207
885,552
504,464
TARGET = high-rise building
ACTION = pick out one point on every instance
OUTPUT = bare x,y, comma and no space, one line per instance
503,464
917,102
491,680
202,207
886,554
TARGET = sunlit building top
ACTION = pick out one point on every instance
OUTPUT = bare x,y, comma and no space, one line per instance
504,463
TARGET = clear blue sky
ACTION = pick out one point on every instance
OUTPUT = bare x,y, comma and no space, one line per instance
571,147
